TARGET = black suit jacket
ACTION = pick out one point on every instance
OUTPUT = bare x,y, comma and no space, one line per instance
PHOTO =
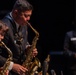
70,49
11,40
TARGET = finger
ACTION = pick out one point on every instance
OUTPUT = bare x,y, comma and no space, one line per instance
23,69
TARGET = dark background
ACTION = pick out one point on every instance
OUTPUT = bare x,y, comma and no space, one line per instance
52,19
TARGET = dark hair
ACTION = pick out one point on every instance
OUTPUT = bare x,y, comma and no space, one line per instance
22,5
3,26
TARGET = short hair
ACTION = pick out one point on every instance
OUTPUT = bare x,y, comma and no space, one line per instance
3,26
22,5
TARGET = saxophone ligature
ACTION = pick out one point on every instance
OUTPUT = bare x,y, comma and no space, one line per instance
7,63
32,66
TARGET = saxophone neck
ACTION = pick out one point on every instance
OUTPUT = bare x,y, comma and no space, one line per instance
36,32
9,51
48,58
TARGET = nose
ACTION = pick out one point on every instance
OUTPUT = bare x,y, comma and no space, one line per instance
2,37
28,18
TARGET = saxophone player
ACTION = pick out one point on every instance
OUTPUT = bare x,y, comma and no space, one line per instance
16,38
3,30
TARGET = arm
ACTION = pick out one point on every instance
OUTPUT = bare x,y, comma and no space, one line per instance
2,61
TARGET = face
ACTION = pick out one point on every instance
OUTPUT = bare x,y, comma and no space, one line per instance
23,17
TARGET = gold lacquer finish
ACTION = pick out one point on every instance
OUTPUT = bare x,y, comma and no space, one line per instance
32,66
6,65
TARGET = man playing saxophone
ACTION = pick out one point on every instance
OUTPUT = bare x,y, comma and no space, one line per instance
17,37
3,30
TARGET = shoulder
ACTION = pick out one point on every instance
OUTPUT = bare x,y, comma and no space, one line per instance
6,20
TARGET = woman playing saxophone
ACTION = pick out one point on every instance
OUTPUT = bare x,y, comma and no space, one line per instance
3,30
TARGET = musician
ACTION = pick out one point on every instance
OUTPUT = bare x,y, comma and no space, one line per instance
3,31
70,51
16,38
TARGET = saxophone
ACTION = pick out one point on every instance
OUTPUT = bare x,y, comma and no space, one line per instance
45,66
32,66
6,65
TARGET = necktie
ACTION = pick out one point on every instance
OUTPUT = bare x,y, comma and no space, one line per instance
19,28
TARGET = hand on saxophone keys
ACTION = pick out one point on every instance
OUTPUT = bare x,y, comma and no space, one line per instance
6,73
34,51
19,69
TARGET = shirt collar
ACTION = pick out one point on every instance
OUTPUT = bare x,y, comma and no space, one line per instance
17,25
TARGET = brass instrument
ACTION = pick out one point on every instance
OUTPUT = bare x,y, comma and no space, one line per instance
45,66
32,66
53,72
6,65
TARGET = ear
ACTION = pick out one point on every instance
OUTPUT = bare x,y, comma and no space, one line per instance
15,12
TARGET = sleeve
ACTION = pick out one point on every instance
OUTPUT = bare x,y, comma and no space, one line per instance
10,66
2,61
